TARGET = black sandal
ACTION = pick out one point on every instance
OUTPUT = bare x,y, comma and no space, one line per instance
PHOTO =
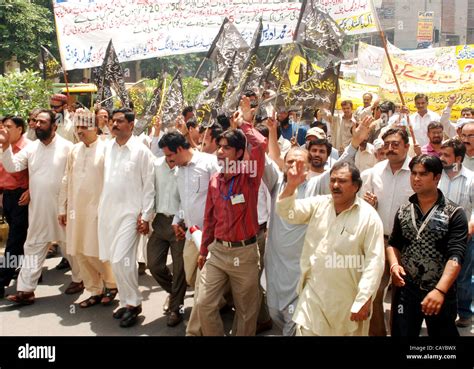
109,296
91,301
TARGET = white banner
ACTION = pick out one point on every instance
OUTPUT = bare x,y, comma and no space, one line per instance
371,59
353,16
142,29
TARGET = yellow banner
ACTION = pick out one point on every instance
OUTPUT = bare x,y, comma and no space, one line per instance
354,91
465,58
437,101
294,70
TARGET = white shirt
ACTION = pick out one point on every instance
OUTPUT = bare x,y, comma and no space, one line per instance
166,188
128,192
459,189
155,149
46,165
420,125
468,162
264,204
365,159
392,190
193,183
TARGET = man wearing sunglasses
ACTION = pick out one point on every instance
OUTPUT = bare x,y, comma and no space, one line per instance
58,104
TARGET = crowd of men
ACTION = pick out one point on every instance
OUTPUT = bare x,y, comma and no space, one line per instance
335,212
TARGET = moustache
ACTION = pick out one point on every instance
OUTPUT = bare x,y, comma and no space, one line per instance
115,128
336,191
391,153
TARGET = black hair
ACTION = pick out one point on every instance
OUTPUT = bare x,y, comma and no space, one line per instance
421,96
458,147
173,140
355,173
52,115
250,93
397,131
18,121
236,139
215,130
191,123
434,125
97,110
129,114
320,142
387,106
224,121
432,164
263,129
186,110
319,124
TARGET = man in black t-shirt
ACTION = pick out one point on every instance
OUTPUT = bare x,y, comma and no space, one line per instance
425,253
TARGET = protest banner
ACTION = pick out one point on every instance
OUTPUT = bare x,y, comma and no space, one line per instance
354,91
153,28
352,16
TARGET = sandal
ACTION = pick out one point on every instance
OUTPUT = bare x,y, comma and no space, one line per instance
109,296
91,301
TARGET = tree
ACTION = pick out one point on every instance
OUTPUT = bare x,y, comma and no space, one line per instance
24,26
22,92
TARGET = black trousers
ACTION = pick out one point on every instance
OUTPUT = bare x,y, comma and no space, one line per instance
17,219
161,241
407,316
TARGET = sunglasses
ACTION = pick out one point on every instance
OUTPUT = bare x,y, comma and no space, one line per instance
55,107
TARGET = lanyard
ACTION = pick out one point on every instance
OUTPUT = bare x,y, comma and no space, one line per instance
229,193
425,223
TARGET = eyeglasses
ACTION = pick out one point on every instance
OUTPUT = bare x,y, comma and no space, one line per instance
395,144
55,107
469,136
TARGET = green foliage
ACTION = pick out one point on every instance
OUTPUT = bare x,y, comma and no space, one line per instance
22,92
192,87
24,26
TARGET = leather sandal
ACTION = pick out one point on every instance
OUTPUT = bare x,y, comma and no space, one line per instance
74,287
108,296
22,298
91,301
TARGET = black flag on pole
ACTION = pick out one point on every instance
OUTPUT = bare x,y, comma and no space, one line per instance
173,101
209,102
228,42
111,75
317,30
50,67
152,108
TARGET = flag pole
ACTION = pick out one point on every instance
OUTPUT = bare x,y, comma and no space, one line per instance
389,59
60,53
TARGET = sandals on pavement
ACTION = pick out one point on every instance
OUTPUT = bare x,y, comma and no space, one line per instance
109,296
91,301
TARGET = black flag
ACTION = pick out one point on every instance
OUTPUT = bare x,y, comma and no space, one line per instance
277,72
111,75
228,42
252,72
317,30
320,90
152,108
174,101
49,65
209,102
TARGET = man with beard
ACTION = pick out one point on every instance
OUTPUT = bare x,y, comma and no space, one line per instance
335,293
319,150
78,201
125,210
45,159
435,136
386,188
457,184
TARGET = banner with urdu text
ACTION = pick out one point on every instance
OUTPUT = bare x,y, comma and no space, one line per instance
144,29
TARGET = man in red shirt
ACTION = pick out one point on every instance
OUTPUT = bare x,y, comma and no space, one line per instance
231,220
15,204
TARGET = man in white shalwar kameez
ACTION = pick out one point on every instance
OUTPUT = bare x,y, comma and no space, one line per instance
45,159
78,202
125,210
343,258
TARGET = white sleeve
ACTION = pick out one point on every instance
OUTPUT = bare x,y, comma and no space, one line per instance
148,182
15,162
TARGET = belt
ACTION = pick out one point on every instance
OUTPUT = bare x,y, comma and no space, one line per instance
238,244
263,226
16,190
